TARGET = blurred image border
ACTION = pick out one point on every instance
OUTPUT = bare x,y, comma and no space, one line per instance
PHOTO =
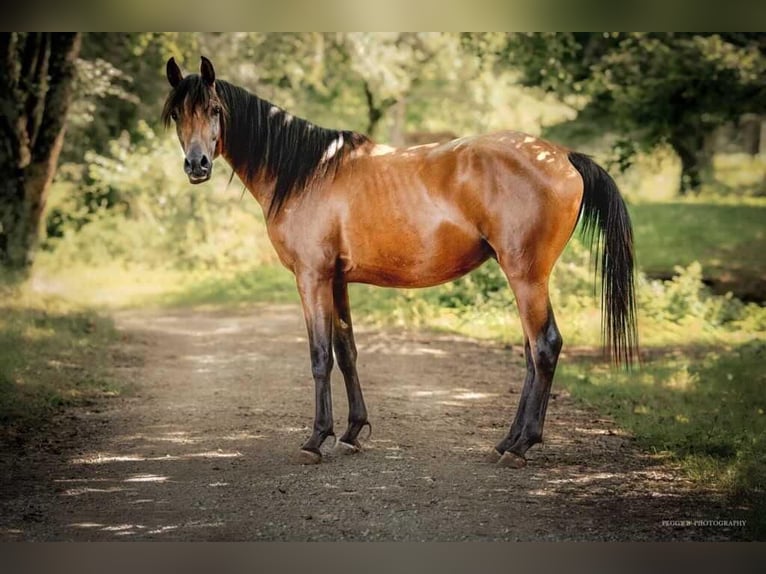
401,15
379,558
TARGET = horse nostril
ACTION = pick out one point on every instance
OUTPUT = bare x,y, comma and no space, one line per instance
204,162
187,165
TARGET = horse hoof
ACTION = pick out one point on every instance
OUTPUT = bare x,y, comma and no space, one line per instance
308,457
346,448
493,456
511,460
327,448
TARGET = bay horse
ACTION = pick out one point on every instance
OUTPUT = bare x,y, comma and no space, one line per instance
341,209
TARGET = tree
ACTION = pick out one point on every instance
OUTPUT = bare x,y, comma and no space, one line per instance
36,77
358,72
654,88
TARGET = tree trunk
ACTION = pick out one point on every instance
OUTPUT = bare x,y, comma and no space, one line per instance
36,75
695,153
375,111
750,126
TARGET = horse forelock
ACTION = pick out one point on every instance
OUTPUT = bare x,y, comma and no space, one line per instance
190,95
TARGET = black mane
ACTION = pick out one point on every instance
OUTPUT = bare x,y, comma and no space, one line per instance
258,136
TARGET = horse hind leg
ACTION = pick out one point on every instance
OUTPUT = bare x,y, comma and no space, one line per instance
545,343
496,454
345,354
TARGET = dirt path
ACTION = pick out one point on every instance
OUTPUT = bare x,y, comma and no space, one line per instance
205,449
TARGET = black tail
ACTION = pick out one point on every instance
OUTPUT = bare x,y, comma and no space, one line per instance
605,218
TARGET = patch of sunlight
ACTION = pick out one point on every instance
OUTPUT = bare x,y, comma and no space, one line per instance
472,396
216,484
641,410
451,404
225,359
295,429
197,524
427,393
538,492
682,379
213,454
104,459
585,479
33,333
123,527
81,480
86,490
403,349
162,529
85,525
147,478
204,359
176,437
235,327
682,419
600,432
243,436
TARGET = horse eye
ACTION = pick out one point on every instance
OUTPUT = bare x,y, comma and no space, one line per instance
174,116
216,110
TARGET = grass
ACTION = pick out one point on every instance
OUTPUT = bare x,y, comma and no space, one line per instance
724,238
705,411
51,354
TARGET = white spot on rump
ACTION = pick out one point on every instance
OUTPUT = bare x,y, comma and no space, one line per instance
542,155
382,149
529,139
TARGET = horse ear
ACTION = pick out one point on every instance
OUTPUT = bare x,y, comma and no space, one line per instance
174,73
207,71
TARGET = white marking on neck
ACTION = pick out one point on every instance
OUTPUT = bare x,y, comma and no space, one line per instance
274,110
288,119
333,148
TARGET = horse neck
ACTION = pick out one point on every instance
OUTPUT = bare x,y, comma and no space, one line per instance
258,184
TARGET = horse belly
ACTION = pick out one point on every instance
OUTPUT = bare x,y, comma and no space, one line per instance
412,258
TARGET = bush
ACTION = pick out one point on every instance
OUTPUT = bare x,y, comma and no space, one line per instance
135,206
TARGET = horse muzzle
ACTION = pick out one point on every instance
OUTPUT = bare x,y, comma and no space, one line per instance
198,168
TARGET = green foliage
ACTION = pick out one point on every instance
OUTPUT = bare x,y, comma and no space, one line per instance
686,301
120,84
655,88
134,206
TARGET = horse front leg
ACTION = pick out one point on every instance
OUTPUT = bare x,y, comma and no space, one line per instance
317,300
